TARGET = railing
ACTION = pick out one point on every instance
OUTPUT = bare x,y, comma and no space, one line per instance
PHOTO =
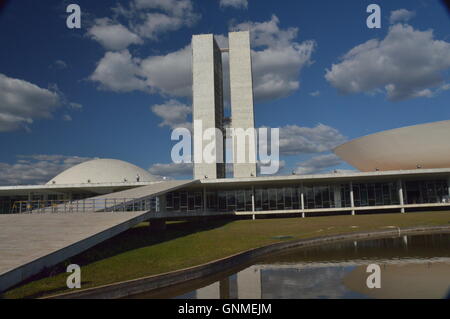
86,205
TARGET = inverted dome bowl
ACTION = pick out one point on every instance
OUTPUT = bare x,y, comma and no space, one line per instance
419,146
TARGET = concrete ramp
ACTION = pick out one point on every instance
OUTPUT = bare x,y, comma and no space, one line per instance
156,189
118,201
31,242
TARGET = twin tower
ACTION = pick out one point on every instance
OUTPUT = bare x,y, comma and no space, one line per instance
208,103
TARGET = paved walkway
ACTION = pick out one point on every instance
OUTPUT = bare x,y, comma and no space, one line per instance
31,242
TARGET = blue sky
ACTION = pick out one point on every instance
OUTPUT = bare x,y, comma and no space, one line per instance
117,86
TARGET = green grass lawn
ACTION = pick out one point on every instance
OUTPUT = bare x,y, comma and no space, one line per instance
139,252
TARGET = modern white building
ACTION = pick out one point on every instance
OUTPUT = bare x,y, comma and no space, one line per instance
241,92
399,170
207,100
208,103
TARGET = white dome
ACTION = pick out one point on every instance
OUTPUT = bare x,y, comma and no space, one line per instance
100,171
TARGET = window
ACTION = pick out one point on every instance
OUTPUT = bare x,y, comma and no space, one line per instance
198,202
248,200
272,199
288,198
265,199
169,201
280,199
258,200
222,201
211,198
240,196
309,197
231,201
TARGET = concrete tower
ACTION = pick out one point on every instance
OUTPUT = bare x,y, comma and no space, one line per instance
241,88
207,104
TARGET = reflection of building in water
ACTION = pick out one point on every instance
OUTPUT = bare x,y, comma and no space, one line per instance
302,282
341,280
411,279
249,283
209,292
279,281
246,284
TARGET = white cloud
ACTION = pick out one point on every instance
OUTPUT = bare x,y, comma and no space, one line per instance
318,164
296,140
174,114
151,18
158,23
36,169
277,58
177,8
111,35
21,102
119,72
237,4
401,15
171,170
169,74
277,62
315,93
407,63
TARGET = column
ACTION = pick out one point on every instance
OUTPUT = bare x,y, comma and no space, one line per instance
400,195
302,200
224,286
352,199
253,202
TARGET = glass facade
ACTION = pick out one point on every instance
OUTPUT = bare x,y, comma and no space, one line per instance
287,198
79,201
422,192
376,194
321,196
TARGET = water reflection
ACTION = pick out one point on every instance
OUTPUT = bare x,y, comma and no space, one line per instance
411,267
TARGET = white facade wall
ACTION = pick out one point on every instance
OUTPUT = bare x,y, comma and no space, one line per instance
241,88
207,104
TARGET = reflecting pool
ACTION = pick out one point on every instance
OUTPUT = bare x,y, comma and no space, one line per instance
410,267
